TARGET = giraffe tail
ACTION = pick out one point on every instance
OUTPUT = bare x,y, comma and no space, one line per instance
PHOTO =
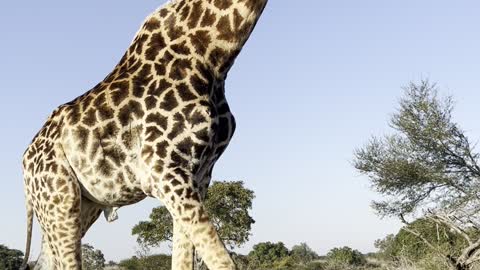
29,236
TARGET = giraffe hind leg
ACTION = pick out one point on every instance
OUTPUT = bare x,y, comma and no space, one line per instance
90,212
56,197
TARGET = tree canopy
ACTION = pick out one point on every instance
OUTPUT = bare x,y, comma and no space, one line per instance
428,167
228,205
92,259
10,258
427,163
156,230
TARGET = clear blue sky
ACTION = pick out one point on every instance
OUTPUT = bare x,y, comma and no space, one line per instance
314,82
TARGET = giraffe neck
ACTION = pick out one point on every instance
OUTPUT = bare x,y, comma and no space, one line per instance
209,32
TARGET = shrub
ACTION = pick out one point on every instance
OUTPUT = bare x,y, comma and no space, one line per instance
314,266
154,262
345,256
10,258
303,254
265,255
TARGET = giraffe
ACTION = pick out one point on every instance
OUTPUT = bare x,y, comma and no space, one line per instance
154,127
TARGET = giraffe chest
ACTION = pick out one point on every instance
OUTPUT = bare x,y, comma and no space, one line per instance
205,135
194,138
223,128
223,133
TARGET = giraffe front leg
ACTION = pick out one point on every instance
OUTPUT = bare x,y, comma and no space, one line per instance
206,240
182,250
182,199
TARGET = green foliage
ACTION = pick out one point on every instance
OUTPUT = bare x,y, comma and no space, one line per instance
345,256
286,263
427,166
386,247
432,262
10,259
241,261
130,264
154,262
155,231
303,254
405,245
266,255
314,266
228,205
428,161
92,259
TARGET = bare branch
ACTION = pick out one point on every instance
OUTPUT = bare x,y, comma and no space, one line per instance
445,220
428,243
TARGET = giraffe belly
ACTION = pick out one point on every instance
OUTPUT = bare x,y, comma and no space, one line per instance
108,167
119,189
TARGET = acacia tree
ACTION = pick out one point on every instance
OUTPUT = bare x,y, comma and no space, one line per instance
228,205
427,168
157,230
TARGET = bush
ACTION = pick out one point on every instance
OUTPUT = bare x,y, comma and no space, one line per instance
286,263
265,255
345,256
10,258
130,264
432,262
303,254
241,261
314,266
154,262
407,246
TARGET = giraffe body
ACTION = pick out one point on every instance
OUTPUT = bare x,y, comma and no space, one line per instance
154,127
